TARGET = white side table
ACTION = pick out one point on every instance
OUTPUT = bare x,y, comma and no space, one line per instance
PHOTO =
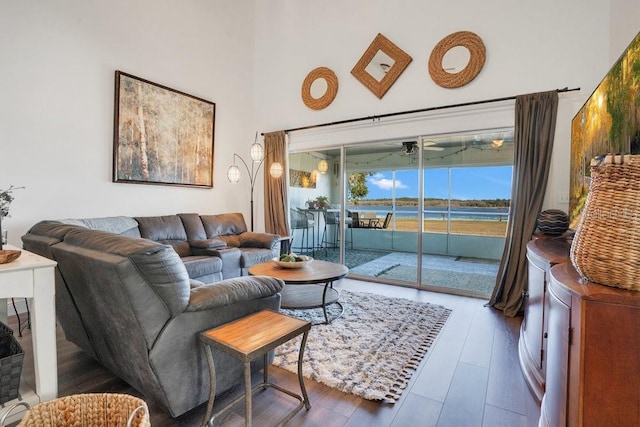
32,276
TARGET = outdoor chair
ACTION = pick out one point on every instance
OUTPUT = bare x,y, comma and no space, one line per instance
304,221
385,224
356,222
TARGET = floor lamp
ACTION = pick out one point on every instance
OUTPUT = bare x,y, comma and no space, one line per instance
257,156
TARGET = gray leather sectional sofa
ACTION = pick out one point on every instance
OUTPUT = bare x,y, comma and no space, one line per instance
135,292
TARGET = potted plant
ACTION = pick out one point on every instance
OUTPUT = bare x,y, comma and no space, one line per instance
322,201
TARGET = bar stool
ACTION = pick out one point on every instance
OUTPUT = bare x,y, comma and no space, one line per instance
332,218
304,221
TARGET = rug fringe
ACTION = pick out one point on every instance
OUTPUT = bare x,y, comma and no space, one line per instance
404,375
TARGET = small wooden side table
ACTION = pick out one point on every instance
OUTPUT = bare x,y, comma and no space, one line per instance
246,339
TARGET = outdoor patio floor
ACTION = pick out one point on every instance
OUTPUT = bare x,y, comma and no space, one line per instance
469,275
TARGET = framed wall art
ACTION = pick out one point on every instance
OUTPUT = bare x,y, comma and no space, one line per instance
380,65
302,179
161,135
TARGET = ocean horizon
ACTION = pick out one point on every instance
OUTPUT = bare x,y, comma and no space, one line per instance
468,213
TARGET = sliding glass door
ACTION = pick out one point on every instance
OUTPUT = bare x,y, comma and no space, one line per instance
427,211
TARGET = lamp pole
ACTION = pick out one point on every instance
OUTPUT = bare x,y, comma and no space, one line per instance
253,173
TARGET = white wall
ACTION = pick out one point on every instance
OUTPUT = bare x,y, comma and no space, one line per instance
58,60
625,24
57,92
531,47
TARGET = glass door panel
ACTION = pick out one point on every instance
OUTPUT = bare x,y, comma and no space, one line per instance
467,184
314,197
381,193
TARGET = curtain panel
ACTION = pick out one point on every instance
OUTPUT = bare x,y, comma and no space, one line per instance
535,125
276,199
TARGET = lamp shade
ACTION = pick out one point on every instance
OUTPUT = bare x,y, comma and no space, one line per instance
233,174
275,170
256,151
323,166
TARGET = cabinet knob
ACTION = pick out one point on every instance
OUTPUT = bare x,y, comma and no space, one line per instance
544,335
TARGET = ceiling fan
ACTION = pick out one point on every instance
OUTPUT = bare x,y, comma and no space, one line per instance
411,147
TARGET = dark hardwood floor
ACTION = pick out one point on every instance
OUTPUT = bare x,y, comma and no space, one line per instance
470,377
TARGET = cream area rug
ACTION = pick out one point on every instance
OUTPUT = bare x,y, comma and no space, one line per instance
372,350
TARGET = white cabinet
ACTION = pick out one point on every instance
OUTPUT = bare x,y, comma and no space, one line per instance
32,276
542,254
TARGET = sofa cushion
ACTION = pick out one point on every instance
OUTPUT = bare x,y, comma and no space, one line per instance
193,226
166,229
202,266
158,264
43,235
114,224
223,224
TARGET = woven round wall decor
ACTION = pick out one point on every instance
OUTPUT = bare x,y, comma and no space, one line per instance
329,95
476,48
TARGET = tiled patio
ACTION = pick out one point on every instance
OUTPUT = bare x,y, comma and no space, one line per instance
457,273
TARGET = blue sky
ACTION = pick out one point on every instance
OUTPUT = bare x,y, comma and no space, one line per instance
466,183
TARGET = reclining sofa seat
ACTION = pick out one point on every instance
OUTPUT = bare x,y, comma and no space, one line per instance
232,229
133,307
169,230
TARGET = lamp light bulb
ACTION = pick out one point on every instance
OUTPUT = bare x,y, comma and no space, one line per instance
275,170
323,166
256,151
233,174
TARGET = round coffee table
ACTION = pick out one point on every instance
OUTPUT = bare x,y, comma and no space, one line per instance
302,290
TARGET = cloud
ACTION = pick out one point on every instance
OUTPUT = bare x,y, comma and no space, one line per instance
383,183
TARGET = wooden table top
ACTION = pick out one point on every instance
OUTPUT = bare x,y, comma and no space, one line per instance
253,335
314,272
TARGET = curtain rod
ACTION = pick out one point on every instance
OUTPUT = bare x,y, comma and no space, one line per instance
421,110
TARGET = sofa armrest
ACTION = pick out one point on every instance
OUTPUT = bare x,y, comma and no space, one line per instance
251,239
207,244
231,291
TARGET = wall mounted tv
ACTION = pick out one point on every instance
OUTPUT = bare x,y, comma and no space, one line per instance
608,122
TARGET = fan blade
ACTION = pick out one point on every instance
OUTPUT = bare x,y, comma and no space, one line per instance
430,145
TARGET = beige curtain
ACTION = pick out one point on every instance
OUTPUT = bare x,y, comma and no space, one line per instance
535,125
276,198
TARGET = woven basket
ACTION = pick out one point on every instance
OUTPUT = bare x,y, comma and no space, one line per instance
11,358
95,410
606,246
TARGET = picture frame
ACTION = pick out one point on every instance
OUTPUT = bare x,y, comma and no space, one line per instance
607,123
161,136
302,179
380,65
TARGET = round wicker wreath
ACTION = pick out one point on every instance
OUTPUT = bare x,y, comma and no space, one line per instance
329,95
476,61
